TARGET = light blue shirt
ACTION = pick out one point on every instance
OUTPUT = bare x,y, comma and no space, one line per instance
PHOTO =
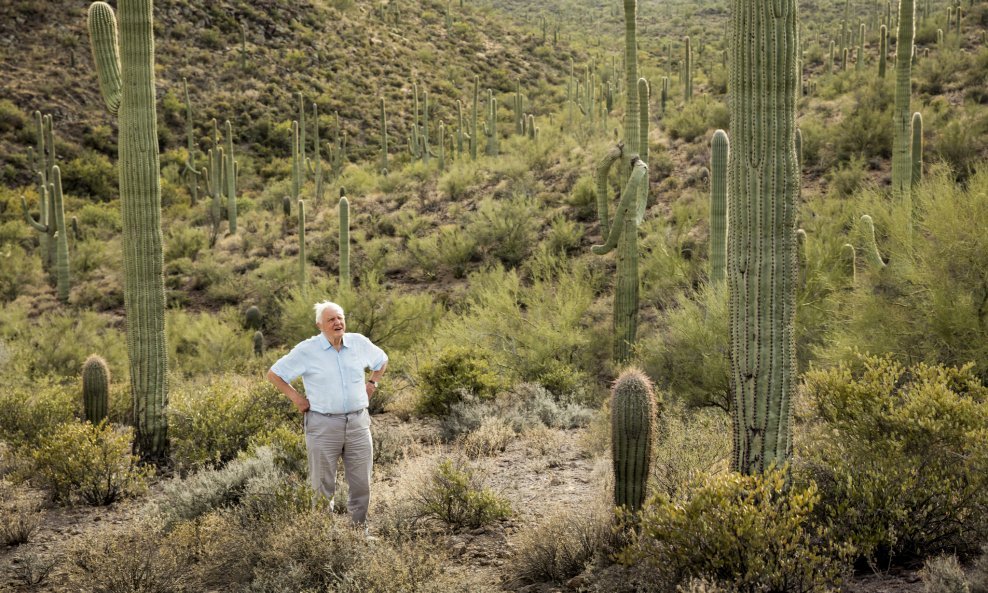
334,381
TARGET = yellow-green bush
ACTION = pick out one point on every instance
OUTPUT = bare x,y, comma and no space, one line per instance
78,461
752,533
901,457
455,495
457,370
30,411
213,418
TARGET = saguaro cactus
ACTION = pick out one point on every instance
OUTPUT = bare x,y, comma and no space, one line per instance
384,137
761,255
230,177
191,172
258,343
917,149
883,50
901,119
301,245
868,243
687,70
633,428
719,147
344,241
95,388
126,77
51,224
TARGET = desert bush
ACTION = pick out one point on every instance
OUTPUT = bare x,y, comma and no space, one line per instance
960,142
455,182
201,343
456,371
17,270
20,515
847,178
213,418
899,454
78,461
691,444
583,198
455,495
287,444
944,574
696,118
447,250
91,175
932,310
979,572
51,355
126,558
505,230
864,132
28,412
753,533
687,355
562,546
491,437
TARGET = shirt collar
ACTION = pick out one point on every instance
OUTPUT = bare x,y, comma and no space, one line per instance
325,343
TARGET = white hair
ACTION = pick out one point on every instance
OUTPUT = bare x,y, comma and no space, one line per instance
320,307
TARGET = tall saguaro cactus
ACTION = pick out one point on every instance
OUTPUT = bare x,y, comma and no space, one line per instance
633,428
902,165
126,79
761,255
344,241
719,148
230,179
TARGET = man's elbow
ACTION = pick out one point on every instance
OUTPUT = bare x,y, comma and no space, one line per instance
273,377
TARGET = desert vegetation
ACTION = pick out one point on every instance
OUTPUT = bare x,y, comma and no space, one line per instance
662,313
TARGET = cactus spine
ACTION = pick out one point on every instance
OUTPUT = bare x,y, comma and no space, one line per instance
633,428
901,133
344,241
140,197
917,149
95,388
761,255
719,147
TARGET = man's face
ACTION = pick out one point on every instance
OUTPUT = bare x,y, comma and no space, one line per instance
332,324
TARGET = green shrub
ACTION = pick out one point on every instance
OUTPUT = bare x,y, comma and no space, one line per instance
751,533
50,354
583,198
213,418
18,270
456,371
698,117
207,342
92,175
691,444
28,411
505,229
12,119
899,454
80,461
865,131
687,354
848,178
456,496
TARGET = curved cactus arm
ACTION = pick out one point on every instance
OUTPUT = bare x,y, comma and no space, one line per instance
103,32
37,225
629,198
63,279
204,174
644,93
603,170
869,245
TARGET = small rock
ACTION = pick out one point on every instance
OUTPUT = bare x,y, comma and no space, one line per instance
577,581
479,531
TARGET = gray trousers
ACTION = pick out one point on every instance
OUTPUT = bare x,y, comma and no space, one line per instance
331,436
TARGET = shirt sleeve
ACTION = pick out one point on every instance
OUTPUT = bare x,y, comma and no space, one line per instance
290,366
375,356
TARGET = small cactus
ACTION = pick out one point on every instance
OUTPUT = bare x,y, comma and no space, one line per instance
252,317
95,388
917,148
869,245
633,428
344,240
258,343
719,147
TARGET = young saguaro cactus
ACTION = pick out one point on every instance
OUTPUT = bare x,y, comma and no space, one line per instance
344,240
868,243
719,147
230,177
384,136
191,172
687,70
301,245
54,228
917,149
761,255
95,388
633,431
883,50
126,80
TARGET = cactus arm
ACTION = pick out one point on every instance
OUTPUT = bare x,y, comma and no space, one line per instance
61,237
901,118
38,225
103,32
869,245
231,180
603,171
643,96
629,198
719,148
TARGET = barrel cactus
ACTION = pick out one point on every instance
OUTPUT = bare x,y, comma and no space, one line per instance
95,388
633,429
126,80
253,318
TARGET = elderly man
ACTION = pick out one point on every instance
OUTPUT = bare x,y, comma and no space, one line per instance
335,418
